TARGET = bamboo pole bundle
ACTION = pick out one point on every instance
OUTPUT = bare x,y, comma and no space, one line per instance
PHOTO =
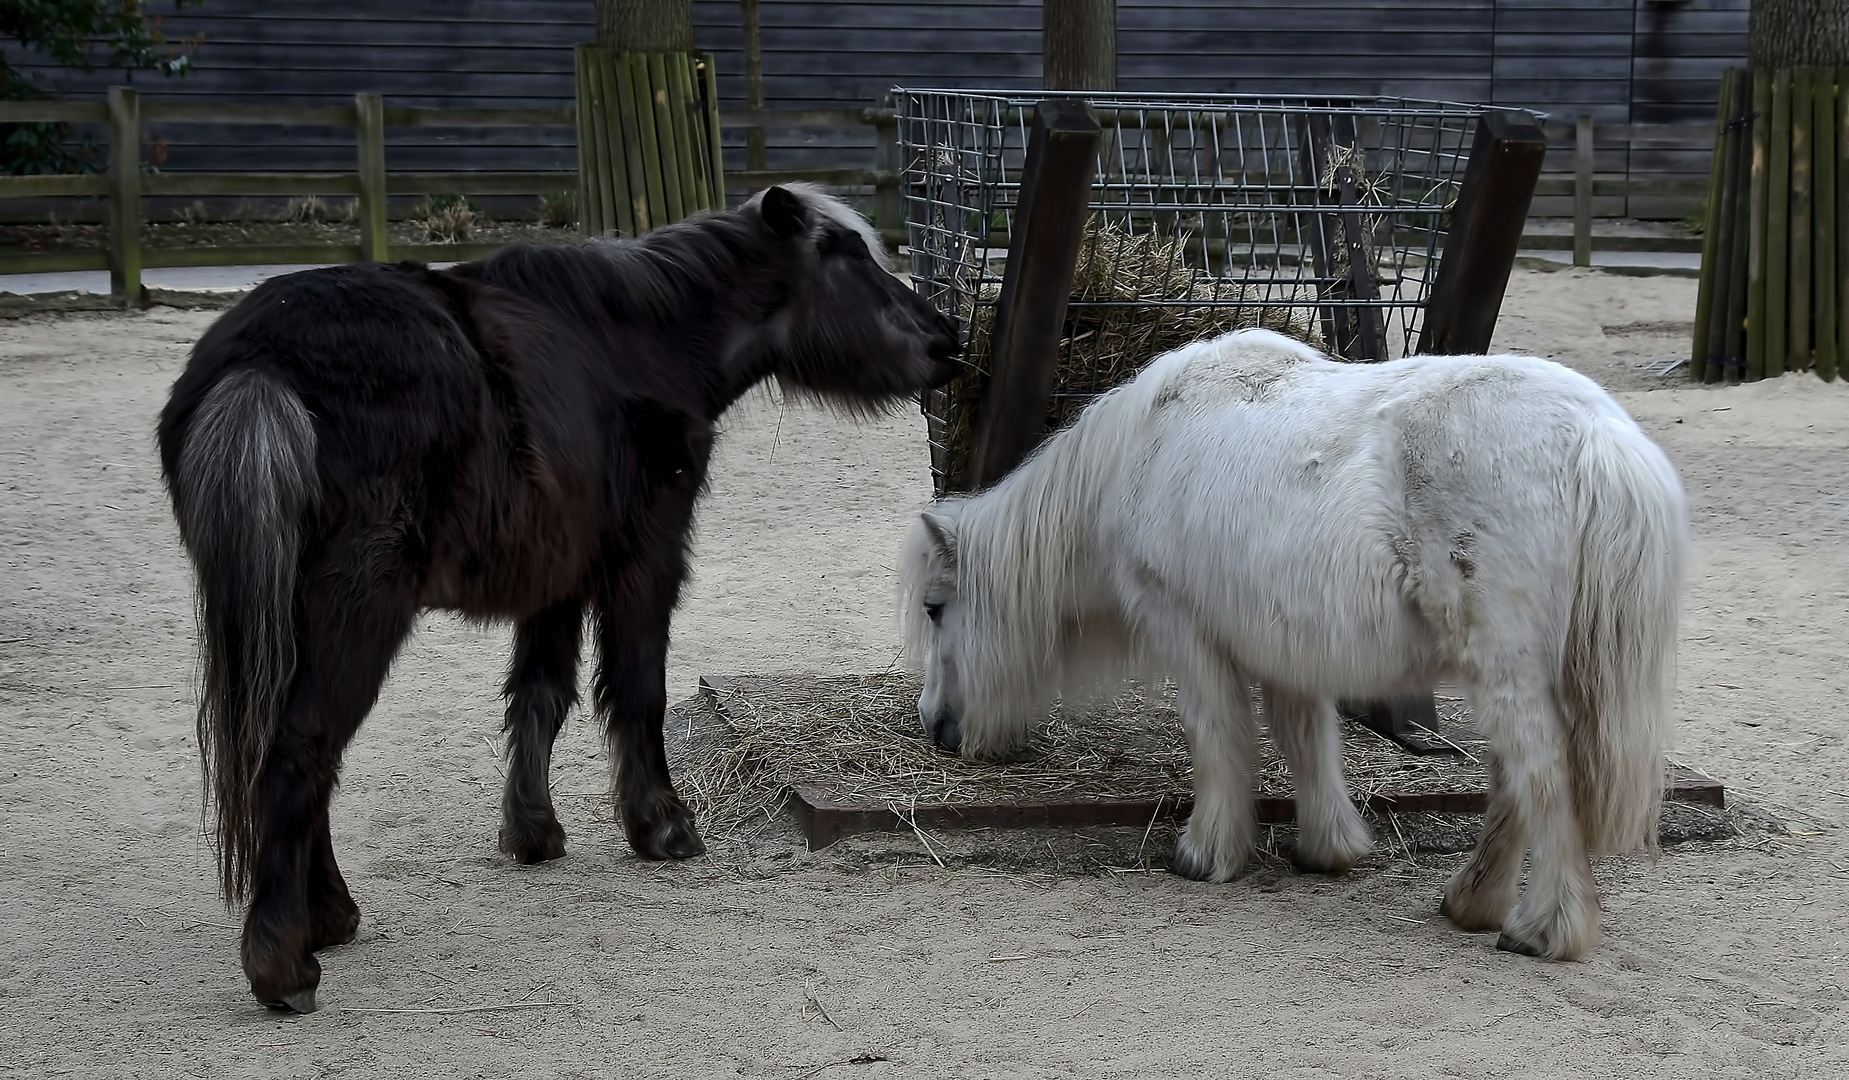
1774,294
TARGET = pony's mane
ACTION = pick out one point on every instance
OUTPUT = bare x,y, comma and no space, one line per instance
667,273
829,210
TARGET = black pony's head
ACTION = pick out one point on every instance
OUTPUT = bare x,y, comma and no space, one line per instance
850,331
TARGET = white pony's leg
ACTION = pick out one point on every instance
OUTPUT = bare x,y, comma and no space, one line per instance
1557,916
1216,712
1331,836
1482,892
1215,701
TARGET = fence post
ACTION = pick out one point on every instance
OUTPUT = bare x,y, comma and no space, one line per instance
754,83
888,210
1030,313
1485,233
1823,221
1582,191
369,129
125,195
1759,162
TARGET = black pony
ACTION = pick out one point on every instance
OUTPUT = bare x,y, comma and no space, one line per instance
522,437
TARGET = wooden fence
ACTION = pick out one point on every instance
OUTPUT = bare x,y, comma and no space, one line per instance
1774,291
1613,196
125,184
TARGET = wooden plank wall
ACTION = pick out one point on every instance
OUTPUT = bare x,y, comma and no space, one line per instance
463,53
1642,61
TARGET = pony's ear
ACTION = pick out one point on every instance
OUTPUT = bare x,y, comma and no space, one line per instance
943,533
784,214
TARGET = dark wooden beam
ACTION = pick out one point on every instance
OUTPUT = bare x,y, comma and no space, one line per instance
1354,333
1486,230
1030,313
826,817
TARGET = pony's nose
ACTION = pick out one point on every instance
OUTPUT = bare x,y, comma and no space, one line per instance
948,733
952,333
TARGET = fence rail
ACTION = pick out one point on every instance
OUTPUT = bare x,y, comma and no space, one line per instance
371,183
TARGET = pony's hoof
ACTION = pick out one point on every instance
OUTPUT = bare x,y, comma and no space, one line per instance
335,923
290,990
1479,910
1321,864
529,842
1507,942
283,973
1190,863
1563,936
669,836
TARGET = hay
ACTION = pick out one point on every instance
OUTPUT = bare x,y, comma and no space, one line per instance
858,737
1115,327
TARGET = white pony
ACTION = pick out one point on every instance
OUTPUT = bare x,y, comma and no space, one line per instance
1249,511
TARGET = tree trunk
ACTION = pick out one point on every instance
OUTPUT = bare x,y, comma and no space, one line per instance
1798,33
1079,47
645,25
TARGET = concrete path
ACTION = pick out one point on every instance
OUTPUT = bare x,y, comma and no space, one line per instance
205,278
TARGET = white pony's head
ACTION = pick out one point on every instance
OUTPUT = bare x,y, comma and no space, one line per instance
1000,626
940,607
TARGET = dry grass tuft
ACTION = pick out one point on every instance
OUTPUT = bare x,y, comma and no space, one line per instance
448,219
558,209
306,210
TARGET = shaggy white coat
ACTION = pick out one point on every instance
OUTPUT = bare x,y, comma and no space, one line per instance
1249,511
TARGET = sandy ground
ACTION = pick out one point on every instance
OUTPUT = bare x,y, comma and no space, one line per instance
1722,959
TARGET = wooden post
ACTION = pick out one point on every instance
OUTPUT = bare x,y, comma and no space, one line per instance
653,104
369,110
1714,363
628,169
1353,333
1030,313
1824,255
1485,232
1738,210
1710,234
1778,223
1756,235
715,146
888,207
1582,191
754,82
125,196
1798,289
1842,216
591,210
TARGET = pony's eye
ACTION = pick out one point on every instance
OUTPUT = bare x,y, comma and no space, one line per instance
934,611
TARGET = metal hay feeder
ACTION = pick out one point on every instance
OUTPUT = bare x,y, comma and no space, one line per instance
1324,218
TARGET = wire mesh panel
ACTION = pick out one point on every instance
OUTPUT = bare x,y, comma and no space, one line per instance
1317,218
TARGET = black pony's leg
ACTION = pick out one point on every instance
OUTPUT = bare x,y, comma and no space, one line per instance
333,916
357,607
542,686
632,697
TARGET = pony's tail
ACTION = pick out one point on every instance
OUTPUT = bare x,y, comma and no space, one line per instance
244,485
1618,672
